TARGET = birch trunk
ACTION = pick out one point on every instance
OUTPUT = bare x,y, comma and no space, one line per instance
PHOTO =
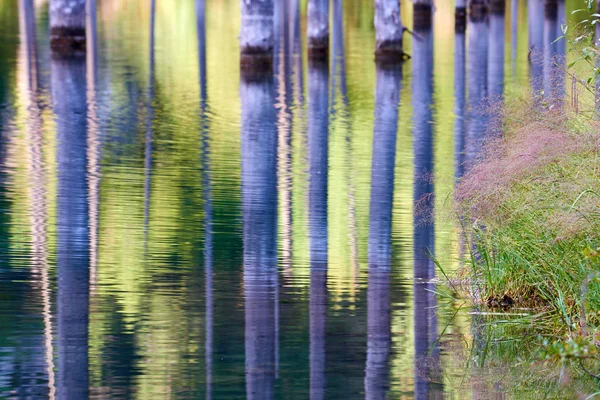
67,25
388,29
318,28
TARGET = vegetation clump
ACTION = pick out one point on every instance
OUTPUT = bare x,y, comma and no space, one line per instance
530,208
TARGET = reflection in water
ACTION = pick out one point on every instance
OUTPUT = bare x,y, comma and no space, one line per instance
553,63
341,111
425,323
73,242
259,210
206,197
514,17
38,181
283,63
496,56
160,325
477,78
93,136
535,10
318,130
387,97
459,103
149,127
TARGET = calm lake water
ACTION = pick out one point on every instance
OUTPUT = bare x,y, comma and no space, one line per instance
172,229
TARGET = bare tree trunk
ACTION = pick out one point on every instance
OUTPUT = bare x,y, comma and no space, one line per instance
67,25
257,34
318,28
388,30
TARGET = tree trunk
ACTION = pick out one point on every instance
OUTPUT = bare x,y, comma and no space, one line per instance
318,28
388,30
257,34
67,25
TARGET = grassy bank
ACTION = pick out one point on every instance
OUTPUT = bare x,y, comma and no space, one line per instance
530,209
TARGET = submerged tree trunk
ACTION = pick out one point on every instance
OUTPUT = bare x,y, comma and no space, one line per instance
257,34
388,30
67,25
318,28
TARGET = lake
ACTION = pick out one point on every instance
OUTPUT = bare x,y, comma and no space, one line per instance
174,228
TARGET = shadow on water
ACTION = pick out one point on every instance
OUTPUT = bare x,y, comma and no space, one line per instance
172,226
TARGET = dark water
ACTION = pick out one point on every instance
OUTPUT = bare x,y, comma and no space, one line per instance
172,228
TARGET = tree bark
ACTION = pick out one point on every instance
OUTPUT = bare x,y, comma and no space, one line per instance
388,30
318,28
67,25
257,34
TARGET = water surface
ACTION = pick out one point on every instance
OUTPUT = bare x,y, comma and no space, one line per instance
173,228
